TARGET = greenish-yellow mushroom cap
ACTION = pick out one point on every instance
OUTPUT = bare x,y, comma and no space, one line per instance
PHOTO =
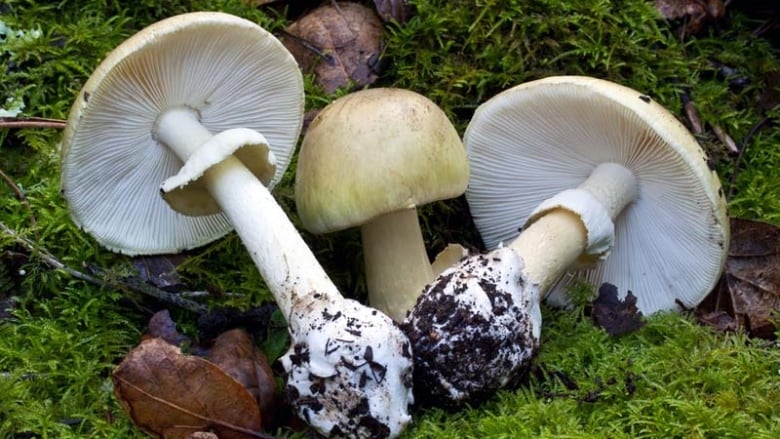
373,152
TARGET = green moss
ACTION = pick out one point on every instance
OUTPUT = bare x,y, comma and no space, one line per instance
460,55
56,355
672,378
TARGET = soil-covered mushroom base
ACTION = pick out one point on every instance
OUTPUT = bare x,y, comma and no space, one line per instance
345,368
475,329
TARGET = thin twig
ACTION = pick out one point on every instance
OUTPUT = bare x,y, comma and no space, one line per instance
131,285
731,147
31,122
691,113
335,5
195,294
741,153
308,45
20,195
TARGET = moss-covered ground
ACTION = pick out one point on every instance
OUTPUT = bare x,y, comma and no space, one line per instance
671,379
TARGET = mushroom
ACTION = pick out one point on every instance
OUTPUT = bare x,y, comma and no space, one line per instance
608,187
369,159
146,117
175,71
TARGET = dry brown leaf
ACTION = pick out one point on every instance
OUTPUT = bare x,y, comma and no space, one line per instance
172,395
161,325
160,270
696,13
770,94
753,275
340,42
720,320
750,292
393,10
236,354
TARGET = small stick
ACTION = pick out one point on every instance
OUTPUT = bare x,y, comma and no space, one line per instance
19,194
691,113
731,145
135,286
31,122
27,122
308,45
741,153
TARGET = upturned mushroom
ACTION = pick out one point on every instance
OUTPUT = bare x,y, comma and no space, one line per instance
607,186
146,118
369,159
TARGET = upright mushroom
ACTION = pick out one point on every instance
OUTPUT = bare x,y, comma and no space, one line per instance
369,159
148,112
587,168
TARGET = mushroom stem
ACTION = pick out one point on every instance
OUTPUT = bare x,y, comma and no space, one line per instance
613,185
550,245
291,274
553,242
334,341
397,265
179,128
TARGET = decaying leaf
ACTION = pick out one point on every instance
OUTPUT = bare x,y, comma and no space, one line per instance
614,315
393,10
770,94
172,395
340,42
255,320
696,13
711,311
162,326
750,293
160,270
236,354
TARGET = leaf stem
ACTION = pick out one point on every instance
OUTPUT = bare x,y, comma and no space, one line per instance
31,122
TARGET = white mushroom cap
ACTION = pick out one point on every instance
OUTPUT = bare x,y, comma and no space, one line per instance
227,70
540,138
